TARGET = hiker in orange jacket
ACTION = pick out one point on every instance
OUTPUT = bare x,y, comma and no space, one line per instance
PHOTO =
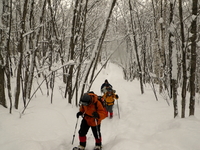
93,113
110,97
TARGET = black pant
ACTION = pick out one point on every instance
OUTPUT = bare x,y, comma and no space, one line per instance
84,127
109,108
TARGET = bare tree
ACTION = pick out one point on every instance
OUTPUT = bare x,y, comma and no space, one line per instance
82,51
3,37
136,47
98,44
20,49
173,64
8,67
183,49
73,40
193,56
2,86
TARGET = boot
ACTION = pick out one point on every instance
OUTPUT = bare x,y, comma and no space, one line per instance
79,148
97,148
111,115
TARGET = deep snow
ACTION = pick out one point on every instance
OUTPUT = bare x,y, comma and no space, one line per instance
144,123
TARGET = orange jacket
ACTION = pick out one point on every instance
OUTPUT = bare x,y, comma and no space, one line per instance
95,106
110,99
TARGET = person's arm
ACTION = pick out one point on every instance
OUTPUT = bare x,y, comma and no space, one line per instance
81,111
102,86
116,96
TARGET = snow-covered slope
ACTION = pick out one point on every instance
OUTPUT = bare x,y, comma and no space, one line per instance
144,123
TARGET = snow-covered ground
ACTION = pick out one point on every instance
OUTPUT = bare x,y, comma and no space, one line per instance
144,123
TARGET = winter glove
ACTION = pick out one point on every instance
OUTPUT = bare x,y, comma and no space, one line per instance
116,96
78,114
95,115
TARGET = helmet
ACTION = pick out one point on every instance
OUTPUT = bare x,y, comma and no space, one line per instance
86,99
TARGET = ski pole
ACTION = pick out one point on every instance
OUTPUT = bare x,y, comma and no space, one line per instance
118,109
97,129
74,132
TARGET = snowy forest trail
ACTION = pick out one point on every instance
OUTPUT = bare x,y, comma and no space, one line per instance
144,123
132,128
143,120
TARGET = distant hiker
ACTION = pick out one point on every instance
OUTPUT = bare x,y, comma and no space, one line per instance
93,113
110,97
105,86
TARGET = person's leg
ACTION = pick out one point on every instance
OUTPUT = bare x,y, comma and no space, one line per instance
110,110
97,134
107,108
84,127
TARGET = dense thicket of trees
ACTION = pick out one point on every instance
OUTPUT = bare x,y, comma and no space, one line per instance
154,41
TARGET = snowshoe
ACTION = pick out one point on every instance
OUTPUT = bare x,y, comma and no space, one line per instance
97,148
79,148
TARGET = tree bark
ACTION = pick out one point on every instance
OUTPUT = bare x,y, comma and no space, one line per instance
3,38
174,93
193,57
183,93
170,47
72,51
173,65
136,49
20,50
8,67
2,86
82,52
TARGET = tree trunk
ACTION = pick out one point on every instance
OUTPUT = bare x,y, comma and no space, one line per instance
174,94
162,47
20,50
136,49
170,47
173,65
2,86
4,23
81,56
183,94
193,57
32,47
72,51
157,50
98,44
8,62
